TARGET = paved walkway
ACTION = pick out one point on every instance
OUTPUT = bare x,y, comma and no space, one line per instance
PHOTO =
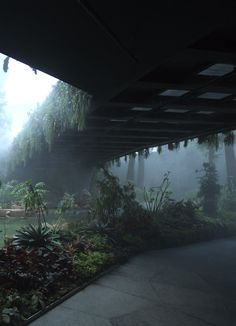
188,286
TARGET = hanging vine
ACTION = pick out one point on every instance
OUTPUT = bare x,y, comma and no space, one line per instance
66,108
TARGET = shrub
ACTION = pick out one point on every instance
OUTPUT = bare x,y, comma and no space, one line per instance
108,200
99,242
90,263
112,200
39,268
180,214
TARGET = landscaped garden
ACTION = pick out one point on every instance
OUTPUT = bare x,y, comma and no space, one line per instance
42,261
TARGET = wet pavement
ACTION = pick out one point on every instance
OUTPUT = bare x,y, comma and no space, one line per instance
193,285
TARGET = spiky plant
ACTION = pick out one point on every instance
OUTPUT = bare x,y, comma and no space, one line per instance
30,237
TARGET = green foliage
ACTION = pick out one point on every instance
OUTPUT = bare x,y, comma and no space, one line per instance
31,236
66,203
180,214
99,242
209,189
66,108
29,278
40,268
90,263
32,197
134,241
94,226
111,199
108,200
156,197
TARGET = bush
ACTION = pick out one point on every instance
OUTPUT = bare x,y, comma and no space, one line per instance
111,200
99,242
38,269
181,214
91,263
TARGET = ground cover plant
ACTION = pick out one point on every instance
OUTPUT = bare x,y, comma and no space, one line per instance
43,261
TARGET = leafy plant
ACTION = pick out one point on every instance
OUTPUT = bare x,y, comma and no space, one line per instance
112,200
156,197
66,203
90,263
180,214
107,203
99,242
36,237
32,197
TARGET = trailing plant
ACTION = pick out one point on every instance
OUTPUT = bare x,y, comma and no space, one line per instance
66,108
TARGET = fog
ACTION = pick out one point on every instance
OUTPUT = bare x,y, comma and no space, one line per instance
182,165
21,92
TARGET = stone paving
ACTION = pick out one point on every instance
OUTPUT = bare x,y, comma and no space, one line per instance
193,285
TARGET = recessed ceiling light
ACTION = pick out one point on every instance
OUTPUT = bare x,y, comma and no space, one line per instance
218,69
205,112
141,109
213,95
149,121
174,92
177,110
118,120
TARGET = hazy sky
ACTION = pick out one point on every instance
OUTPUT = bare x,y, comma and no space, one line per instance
23,91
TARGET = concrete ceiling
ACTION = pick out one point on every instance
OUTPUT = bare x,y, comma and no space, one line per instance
145,63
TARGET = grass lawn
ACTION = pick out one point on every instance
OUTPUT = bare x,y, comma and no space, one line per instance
11,225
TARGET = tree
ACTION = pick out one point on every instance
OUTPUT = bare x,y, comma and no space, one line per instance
209,189
230,167
141,165
131,165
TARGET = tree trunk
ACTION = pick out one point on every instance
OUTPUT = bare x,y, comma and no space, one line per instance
140,180
130,172
230,166
211,156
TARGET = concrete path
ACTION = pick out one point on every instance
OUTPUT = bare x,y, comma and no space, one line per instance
187,286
